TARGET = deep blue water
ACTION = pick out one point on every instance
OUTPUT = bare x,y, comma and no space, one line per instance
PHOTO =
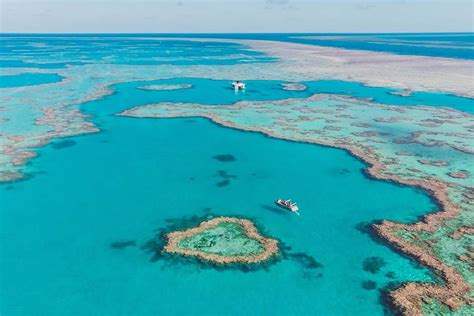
450,45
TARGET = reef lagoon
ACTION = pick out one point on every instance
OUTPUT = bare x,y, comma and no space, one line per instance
112,145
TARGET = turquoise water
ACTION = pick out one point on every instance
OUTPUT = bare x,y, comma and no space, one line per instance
22,64
272,90
200,92
126,182
384,95
60,52
28,79
129,181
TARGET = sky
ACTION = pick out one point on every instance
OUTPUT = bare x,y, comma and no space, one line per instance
235,16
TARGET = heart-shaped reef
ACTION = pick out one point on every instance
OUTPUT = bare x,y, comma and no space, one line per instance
223,240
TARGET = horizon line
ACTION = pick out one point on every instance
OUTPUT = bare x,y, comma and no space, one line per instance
226,33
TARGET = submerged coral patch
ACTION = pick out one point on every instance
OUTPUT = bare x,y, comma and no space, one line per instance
222,240
436,163
390,274
123,244
369,285
225,158
222,183
63,144
226,178
462,174
293,87
165,87
307,261
343,171
373,264
225,175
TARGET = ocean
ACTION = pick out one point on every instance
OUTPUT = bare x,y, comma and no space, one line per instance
132,179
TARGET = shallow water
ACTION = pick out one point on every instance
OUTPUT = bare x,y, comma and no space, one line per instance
206,91
72,233
28,79
127,181
124,183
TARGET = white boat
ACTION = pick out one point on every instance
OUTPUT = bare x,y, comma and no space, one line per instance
238,85
287,204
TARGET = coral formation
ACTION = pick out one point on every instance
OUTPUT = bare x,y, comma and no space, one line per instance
223,240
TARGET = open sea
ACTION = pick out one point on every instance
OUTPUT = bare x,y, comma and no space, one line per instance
136,176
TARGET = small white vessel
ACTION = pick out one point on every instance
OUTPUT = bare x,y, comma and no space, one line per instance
238,85
291,206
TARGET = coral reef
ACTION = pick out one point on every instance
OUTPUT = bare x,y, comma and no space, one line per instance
223,240
165,87
224,158
304,120
294,87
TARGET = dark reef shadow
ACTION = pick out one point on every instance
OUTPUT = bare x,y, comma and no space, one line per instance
373,264
222,183
309,265
369,285
307,261
206,211
390,275
225,158
341,171
225,175
123,244
63,144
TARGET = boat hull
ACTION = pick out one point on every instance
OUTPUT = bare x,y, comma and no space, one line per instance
284,205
